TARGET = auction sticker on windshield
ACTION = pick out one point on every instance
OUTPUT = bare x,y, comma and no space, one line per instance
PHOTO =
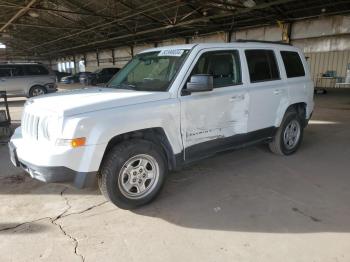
171,52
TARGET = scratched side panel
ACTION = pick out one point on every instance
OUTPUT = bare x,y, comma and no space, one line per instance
213,115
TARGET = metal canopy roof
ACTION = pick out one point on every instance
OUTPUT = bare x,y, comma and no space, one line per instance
54,28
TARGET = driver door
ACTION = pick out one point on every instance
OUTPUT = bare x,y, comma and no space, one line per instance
212,120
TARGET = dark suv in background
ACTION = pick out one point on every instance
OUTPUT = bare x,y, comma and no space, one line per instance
102,75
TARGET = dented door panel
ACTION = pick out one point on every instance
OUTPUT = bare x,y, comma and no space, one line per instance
213,115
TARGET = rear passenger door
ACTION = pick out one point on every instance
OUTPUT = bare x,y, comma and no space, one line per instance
266,88
211,120
16,84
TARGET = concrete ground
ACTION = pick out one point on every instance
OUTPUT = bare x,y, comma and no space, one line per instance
247,205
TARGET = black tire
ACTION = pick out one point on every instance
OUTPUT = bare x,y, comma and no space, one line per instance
278,145
111,174
34,90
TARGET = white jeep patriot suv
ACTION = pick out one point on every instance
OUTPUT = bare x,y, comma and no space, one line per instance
167,107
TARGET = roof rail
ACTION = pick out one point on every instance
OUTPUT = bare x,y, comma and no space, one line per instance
261,41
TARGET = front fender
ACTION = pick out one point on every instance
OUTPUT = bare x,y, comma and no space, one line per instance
101,126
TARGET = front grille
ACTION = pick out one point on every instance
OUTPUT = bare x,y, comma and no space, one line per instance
30,125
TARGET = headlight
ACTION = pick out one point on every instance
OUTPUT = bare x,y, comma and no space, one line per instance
52,128
42,128
48,128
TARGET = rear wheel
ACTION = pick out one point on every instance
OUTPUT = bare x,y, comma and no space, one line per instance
37,91
132,173
289,135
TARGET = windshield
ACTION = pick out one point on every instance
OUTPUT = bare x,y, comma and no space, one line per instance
151,71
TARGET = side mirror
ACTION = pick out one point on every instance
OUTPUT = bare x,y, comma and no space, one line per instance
200,83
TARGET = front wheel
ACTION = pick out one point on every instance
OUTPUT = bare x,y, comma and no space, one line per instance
37,91
132,173
289,135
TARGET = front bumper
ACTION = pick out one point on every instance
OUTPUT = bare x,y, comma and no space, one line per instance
50,88
55,164
54,174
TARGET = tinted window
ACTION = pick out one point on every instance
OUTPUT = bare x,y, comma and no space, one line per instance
5,72
109,71
35,70
224,66
292,64
17,70
113,70
262,65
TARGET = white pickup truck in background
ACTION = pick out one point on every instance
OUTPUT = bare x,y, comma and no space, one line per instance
167,107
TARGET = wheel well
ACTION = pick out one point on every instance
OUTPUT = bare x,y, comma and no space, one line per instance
30,89
155,135
300,108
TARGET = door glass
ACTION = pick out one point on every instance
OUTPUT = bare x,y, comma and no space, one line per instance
36,70
5,72
224,66
17,70
262,65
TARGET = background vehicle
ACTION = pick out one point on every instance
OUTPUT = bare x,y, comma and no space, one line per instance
75,78
26,80
169,106
99,76
59,75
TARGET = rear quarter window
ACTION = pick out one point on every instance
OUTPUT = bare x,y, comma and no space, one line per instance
292,63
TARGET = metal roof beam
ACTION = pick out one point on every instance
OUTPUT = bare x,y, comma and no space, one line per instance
58,11
21,12
101,25
185,23
45,26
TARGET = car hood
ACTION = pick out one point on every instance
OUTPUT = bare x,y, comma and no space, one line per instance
90,99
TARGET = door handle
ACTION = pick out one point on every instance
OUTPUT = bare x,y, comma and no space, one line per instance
277,91
2,80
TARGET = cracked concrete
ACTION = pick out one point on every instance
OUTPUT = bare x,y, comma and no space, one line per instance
247,205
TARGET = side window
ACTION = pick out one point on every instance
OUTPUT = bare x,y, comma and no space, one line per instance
224,66
111,71
262,65
292,63
36,70
5,72
17,70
